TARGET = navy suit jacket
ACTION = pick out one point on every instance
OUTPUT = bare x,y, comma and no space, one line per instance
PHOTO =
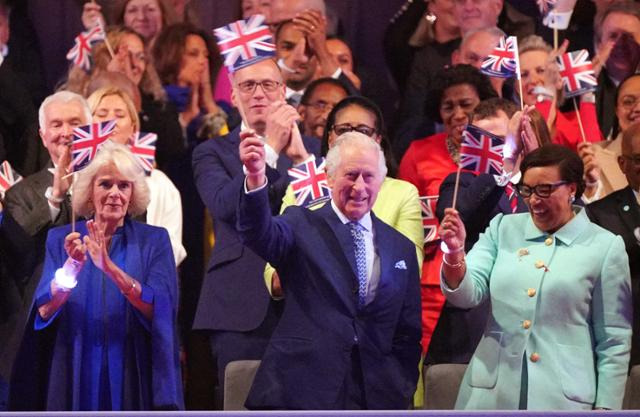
619,213
308,357
233,295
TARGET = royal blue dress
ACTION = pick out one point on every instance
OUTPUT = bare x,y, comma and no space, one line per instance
105,354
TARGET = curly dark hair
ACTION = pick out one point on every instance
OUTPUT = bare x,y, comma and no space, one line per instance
169,47
373,108
567,161
452,76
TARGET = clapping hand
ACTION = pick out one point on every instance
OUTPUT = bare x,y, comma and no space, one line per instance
97,246
281,118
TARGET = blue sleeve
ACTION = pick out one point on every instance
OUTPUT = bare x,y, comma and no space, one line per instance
270,237
54,259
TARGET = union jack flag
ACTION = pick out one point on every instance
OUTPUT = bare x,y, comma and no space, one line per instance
503,61
87,140
8,177
309,183
429,219
245,42
481,151
577,73
143,148
80,54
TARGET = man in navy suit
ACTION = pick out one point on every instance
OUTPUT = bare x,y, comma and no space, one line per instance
234,303
619,212
349,337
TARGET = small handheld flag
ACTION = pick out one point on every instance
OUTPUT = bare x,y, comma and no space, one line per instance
8,177
429,219
87,140
481,151
245,42
143,148
503,61
309,183
577,73
80,54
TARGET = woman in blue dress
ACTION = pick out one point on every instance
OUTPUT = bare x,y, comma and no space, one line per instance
108,299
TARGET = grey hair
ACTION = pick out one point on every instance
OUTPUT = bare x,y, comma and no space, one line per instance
495,31
533,43
353,139
63,97
124,161
627,7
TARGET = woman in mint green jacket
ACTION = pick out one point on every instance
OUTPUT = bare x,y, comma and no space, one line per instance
559,333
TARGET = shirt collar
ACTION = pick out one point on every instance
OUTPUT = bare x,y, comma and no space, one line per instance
567,233
365,221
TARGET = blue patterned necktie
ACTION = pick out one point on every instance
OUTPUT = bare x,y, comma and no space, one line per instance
361,261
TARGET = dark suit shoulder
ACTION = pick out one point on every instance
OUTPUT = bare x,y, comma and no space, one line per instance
610,200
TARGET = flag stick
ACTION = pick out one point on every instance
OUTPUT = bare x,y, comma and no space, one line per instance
73,210
455,189
555,38
575,106
520,87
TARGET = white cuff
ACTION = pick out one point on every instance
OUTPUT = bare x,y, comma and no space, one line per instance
336,74
247,191
271,156
557,20
503,179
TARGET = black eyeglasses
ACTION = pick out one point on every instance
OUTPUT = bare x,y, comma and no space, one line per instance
346,127
249,86
541,190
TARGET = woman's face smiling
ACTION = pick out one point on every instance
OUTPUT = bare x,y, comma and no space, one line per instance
456,106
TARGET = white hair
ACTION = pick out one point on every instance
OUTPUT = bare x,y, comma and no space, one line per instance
122,158
494,31
62,97
356,140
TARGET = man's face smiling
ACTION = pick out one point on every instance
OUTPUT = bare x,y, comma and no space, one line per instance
356,181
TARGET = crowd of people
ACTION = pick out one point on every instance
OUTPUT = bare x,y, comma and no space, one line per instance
127,288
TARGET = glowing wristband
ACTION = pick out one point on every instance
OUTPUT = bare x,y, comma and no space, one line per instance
64,280
444,248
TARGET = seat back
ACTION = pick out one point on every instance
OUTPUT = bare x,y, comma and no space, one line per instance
238,378
441,385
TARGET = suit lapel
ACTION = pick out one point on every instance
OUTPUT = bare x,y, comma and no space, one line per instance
628,209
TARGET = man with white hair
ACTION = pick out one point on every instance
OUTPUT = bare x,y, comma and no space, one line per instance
40,202
349,337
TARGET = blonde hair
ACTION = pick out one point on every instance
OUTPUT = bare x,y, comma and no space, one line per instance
97,96
533,43
121,157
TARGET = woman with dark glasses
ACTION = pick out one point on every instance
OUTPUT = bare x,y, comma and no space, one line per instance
559,332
